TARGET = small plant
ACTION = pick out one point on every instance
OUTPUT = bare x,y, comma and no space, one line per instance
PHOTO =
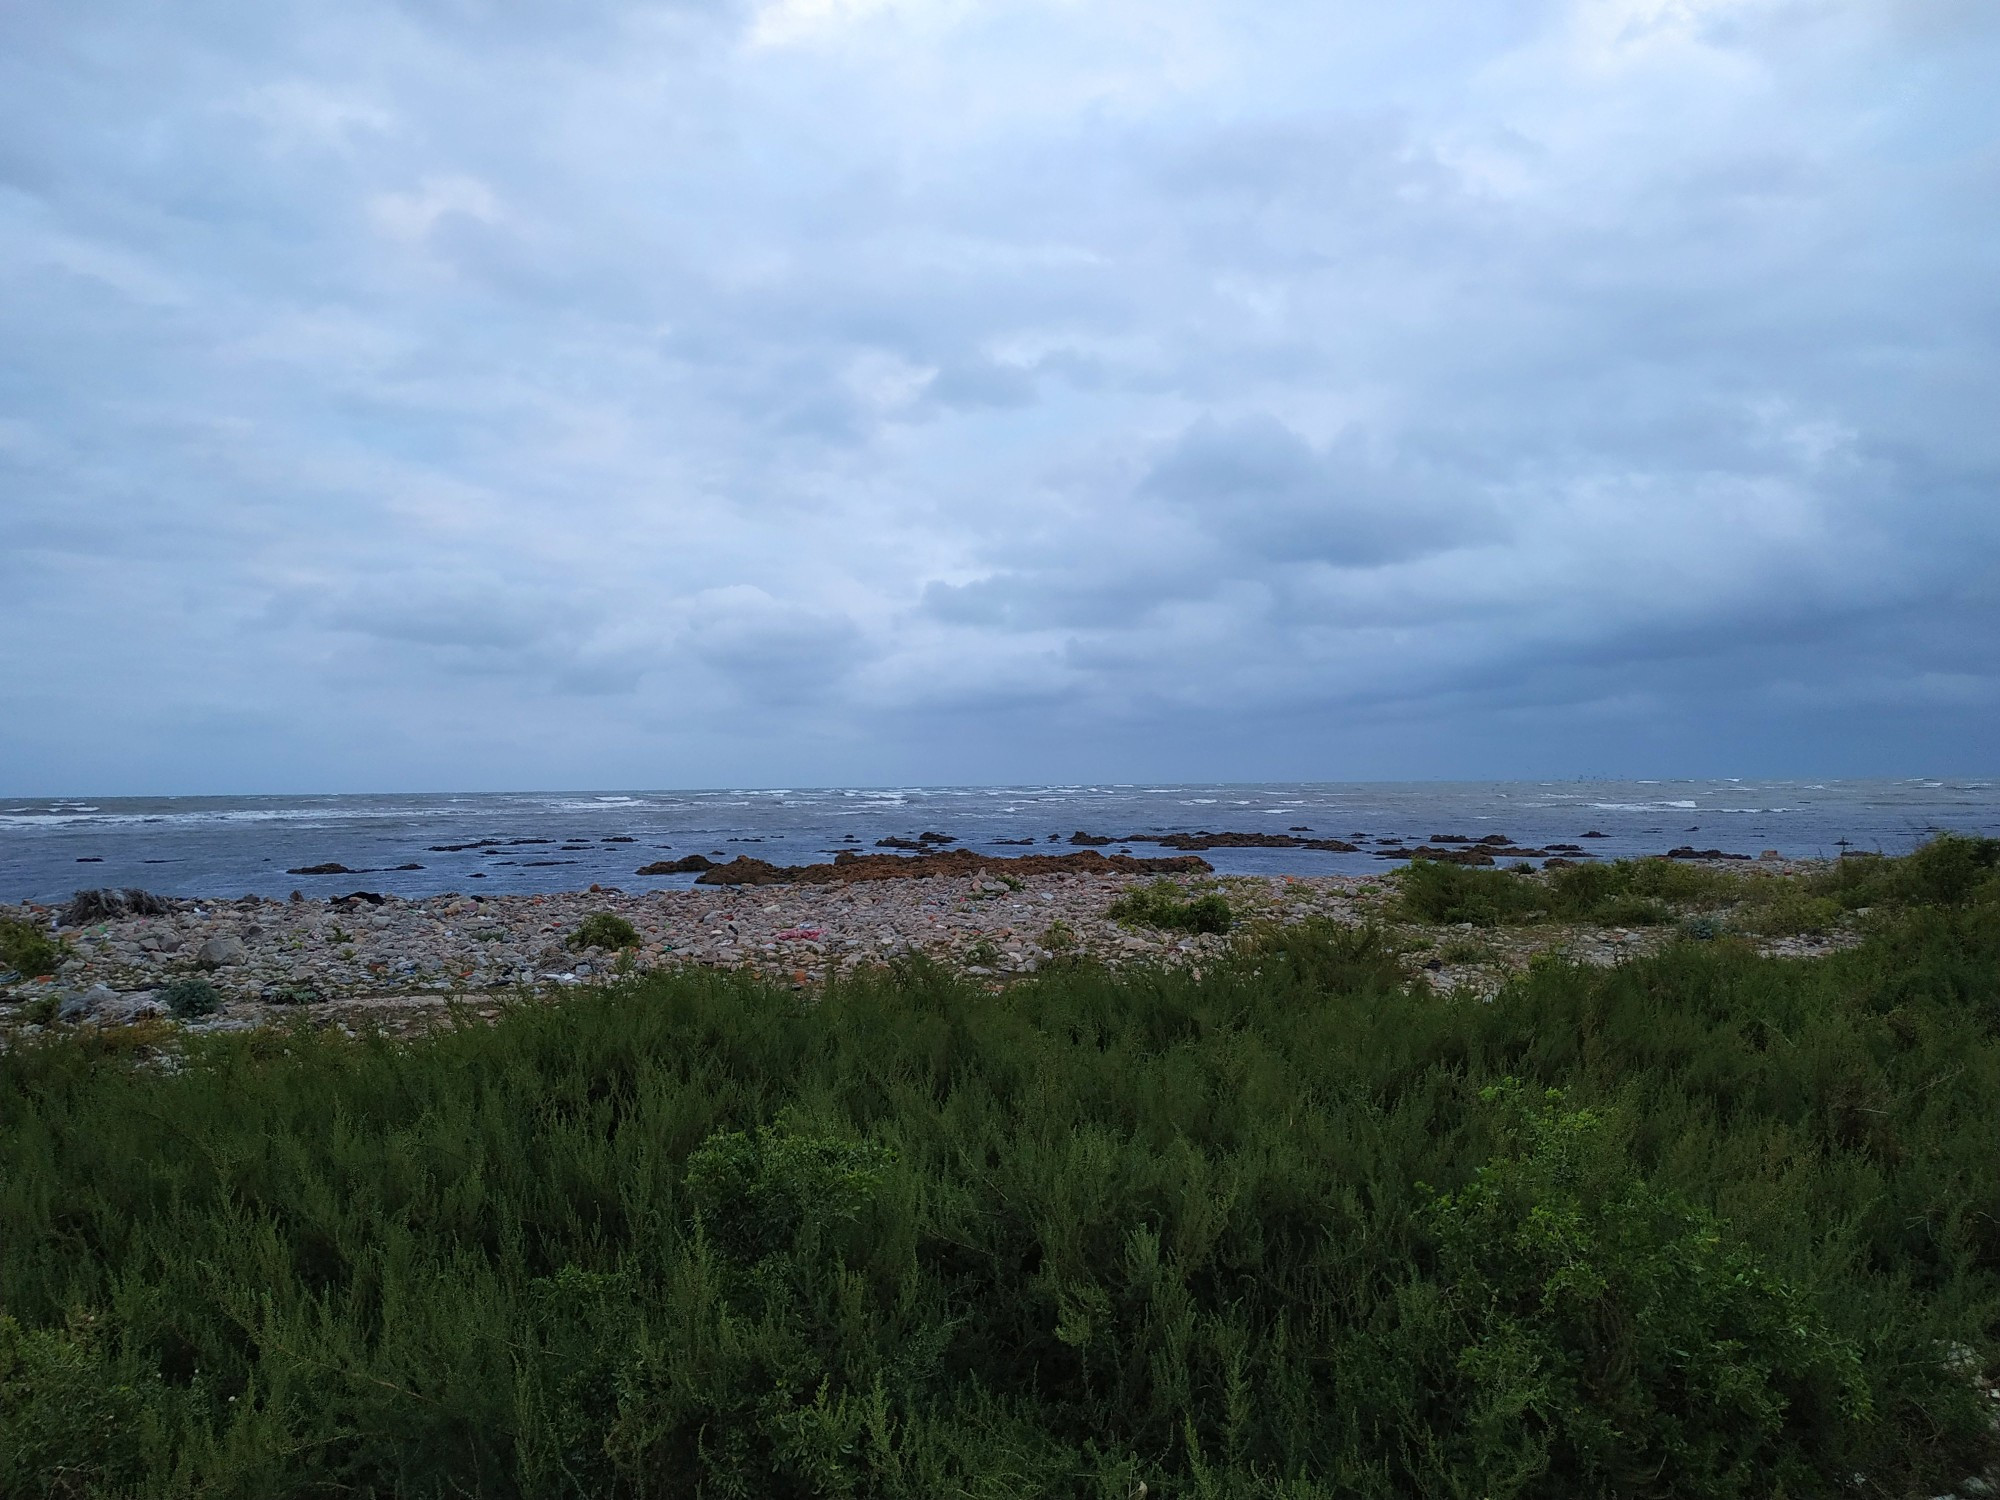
982,954
1164,904
1466,951
1059,938
1793,913
25,947
603,929
189,999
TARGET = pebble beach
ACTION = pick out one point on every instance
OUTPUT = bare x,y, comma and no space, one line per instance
383,960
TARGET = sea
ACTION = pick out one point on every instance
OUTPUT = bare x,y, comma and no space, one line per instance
417,844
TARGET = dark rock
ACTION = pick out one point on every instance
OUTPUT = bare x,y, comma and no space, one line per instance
618,838
354,898
1206,840
1494,838
1013,841
1594,834
1089,840
892,842
746,869
325,869
687,865
409,867
90,859
1686,851
936,838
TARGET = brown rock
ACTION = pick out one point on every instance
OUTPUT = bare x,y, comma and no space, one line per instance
744,870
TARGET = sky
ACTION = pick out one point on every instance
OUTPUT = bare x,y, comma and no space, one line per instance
457,394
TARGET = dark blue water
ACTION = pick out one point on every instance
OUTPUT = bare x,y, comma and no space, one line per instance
226,846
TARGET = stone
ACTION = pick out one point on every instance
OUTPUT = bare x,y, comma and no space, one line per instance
79,1007
218,951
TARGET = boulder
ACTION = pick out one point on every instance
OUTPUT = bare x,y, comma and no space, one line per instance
220,951
84,1006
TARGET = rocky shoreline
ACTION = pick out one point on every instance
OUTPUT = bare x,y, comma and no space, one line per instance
363,957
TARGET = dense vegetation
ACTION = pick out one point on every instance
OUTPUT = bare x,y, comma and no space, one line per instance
1705,1224
1946,871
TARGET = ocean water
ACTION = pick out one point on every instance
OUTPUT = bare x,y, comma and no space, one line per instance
230,846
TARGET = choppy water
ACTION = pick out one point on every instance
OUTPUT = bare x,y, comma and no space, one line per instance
226,846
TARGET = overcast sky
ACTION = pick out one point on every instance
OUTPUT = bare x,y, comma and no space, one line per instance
450,394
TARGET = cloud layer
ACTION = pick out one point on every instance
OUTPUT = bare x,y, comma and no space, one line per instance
444,393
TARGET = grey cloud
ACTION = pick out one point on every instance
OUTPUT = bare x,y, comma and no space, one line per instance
771,652
1256,483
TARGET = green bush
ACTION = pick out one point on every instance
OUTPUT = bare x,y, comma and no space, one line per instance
1164,904
1950,870
71,1421
1433,891
603,929
189,999
758,1193
1790,911
27,949
1609,1338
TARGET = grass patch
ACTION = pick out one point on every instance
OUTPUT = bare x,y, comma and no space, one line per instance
604,929
1163,904
1704,1224
27,949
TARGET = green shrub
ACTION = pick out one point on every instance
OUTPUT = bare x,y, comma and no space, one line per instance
1164,904
1608,1338
70,1422
189,999
1949,870
603,929
1434,891
1792,910
758,1193
27,949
